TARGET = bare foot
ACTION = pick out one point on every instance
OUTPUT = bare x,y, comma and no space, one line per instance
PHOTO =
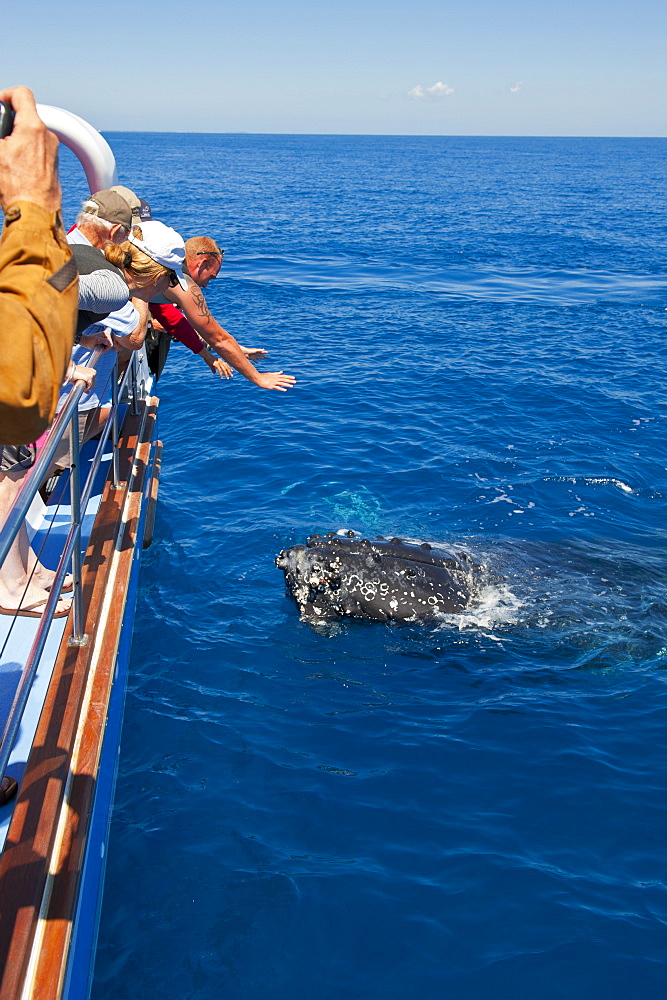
43,578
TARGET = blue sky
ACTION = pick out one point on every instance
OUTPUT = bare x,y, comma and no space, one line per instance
369,66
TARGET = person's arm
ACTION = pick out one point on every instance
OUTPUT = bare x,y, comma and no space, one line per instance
102,291
135,339
197,313
170,319
38,286
98,337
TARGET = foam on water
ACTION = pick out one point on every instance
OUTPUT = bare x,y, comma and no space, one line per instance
494,606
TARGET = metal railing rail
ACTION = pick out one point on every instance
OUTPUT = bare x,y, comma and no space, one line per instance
72,549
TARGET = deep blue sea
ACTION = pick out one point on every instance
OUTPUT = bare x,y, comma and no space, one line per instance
459,811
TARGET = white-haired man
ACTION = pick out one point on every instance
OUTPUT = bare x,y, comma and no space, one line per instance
105,216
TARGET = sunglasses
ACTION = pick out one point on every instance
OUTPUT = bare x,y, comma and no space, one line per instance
210,253
173,280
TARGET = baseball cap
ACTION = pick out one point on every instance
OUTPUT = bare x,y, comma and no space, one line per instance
130,197
141,210
110,206
145,214
163,245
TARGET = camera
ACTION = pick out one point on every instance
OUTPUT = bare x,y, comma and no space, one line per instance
6,119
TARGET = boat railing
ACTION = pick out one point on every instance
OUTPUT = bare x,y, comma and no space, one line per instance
79,499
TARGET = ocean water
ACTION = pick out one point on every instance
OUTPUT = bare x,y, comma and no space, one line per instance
465,810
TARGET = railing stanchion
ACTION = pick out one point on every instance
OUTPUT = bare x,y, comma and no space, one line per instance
114,427
135,400
78,637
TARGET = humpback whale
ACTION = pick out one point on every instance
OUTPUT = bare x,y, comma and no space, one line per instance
383,579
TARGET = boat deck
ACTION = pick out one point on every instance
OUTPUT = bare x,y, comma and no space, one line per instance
55,831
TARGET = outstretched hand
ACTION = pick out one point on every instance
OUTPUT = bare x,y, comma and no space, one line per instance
221,368
276,380
254,352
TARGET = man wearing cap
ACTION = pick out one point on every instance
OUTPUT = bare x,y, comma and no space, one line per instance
191,301
105,216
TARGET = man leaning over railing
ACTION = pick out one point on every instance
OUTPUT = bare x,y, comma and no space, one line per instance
38,287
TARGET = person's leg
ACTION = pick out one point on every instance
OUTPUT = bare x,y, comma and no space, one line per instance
94,423
38,574
91,423
18,588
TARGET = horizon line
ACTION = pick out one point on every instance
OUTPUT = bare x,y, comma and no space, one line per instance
381,135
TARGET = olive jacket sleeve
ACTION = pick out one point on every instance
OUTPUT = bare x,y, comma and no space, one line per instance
38,308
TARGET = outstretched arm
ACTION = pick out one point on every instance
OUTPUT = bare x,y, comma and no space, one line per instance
198,314
170,319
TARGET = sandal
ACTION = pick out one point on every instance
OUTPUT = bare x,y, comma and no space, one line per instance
34,611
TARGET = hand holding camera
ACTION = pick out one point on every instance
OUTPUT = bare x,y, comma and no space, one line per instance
28,153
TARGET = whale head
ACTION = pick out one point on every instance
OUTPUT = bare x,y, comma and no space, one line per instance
347,575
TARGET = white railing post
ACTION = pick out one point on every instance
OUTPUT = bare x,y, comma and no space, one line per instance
116,483
78,637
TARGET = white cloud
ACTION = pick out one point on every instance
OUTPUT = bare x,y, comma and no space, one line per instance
517,87
439,89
